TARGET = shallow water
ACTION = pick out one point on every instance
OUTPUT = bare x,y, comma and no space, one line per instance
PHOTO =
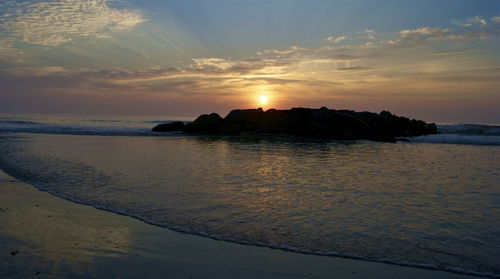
427,204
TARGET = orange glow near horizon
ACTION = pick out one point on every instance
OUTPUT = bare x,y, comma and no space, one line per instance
262,95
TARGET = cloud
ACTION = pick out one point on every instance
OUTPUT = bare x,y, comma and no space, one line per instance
52,23
459,23
273,65
353,68
38,71
285,53
449,51
477,19
427,35
423,31
213,63
406,63
416,37
336,40
370,34
9,52
470,21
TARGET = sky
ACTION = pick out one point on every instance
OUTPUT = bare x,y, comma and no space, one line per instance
434,60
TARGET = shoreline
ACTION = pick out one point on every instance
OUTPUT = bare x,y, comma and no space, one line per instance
48,236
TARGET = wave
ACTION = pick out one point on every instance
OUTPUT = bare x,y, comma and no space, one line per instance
475,134
457,139
19,122
114,128
161,121
470,129
86,130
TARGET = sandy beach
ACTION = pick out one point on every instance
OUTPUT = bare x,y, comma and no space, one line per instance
48,237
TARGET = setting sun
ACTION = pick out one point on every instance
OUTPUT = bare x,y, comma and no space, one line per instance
263,100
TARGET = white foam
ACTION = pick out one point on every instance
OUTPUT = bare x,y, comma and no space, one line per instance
469,129
458,139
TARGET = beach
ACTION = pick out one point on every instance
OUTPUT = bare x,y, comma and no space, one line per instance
48,237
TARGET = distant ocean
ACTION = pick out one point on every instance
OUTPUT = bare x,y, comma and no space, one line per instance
432,201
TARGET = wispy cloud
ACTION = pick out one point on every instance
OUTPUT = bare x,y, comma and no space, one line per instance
460,23
417,36
278,65
415,61
477,19
38,71
336,40
282,53
370,34
470,21
8,52
52,23
427,35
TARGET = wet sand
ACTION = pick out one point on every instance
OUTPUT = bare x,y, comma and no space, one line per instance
43,236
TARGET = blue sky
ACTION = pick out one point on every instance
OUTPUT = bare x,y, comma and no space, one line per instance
433,60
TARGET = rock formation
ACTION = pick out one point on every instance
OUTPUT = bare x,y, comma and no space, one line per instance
306,122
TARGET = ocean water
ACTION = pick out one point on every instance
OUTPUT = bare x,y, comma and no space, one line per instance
432,201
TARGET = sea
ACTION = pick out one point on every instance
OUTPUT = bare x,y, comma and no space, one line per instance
431,201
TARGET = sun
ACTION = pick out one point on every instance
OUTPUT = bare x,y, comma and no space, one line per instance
263,100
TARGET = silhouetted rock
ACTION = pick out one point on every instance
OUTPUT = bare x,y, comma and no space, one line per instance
204,124
169,127
314,123
241,121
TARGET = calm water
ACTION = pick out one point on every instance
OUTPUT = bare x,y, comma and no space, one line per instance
419,203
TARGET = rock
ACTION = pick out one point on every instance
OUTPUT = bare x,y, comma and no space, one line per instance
313,123
205,124
169,127
241,121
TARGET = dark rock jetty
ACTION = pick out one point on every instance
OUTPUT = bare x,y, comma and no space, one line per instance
320,123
